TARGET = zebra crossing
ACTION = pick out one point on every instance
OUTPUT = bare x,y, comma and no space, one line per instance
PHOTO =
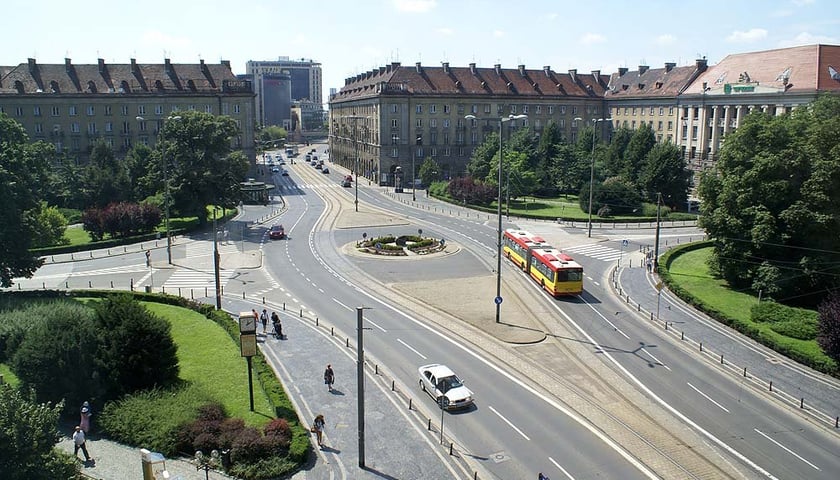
597,251
197,279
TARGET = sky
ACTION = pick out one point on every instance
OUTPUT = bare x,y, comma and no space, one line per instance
353,36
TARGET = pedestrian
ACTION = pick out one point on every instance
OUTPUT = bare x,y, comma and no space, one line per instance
318,429
256,317
542,477
84,417
264,318
329,377
79,442
278,327
648,265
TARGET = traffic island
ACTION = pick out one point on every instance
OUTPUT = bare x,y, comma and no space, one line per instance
403,245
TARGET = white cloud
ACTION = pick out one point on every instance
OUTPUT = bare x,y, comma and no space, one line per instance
445,31
592,38
154,38
806,38
499,33
802,3
665,39
750,35
415,6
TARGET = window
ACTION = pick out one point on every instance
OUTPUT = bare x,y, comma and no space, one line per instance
208,109
141,109
55,111
158,109
473,122
418,123
574,110
109,127
434,152
574,123
474,109
626,110
447,152
91,111
124,110
39,128
92,128
394,138
634,111
474,137
661,111
74,127
651,110
446,109
633,125
670,125
538,109
191,108
562,109
36,110
445,123
670,110
236,108
446,138
418,109
551,109
19,111
107,109
524,108
395,108
71,110
537,124
433,138
225,108
432,108
126,128
142,125
487,108
395,152
659,126
395,123
562,123
433,123
513,109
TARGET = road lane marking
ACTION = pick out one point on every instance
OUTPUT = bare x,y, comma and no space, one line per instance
412,349
608,321
343,305
509,423
561,468
785,448
707,397
655,359
375,325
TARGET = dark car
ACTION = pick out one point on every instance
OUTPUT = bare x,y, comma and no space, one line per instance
325,170
276,232
347,182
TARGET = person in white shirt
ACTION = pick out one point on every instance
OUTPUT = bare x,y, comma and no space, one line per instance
79,443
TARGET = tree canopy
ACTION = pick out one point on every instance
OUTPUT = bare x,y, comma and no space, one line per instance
772,205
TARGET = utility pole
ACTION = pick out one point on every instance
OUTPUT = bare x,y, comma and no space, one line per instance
656,243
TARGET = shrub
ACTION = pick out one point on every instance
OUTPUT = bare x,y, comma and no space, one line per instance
828,337
788,321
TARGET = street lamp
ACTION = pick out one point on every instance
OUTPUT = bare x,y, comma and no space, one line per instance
592,170
207,463
165,194
413,155
498,299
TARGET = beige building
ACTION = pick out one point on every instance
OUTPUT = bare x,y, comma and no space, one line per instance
394,117
73,106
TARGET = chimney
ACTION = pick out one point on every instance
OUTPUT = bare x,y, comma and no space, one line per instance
622,71
498,68
418,67
101,62
522,70
701,64
395,65
388,68
167,66
134,68
573,74
596,74
226,63
669,66
547,70
68,65
643,69
472,68
381,70
446,67
33,67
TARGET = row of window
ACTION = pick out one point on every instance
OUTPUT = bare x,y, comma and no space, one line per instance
434,152
632,111
461,123
107,110
93,129
500,109
632,124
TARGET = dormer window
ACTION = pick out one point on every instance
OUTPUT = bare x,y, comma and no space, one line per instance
54,87
91,87
159,85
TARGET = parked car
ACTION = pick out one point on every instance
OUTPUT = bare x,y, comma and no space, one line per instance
440,381
277,232
275,170
284,173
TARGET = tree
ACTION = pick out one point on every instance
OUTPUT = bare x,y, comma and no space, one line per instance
141,179
429,172
106,178
484,156
772,204
614,164
51,225
615,196
28,434
828,328
548,152
665,172
272,135
641,143
195,154
23,169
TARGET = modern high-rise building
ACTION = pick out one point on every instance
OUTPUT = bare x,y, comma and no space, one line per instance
305,85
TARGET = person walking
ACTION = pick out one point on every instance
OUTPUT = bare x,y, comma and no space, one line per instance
542,477
79,443
84,417
329,377
318,427
278,327
264,319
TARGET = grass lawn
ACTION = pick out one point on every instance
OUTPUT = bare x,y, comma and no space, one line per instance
8,376
690,271
209,358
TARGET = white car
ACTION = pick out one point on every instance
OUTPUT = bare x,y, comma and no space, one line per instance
439,381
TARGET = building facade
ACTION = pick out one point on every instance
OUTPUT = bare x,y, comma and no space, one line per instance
74,106
390,119
306,85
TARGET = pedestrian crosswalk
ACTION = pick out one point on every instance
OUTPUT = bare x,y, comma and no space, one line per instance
197,279
597,251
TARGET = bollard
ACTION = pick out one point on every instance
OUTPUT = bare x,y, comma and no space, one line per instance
191,294
316,321
802,402
745,371
301,313
451,445
332,334
125,250
284,306
89,284
52,259
163,290
666,324
71,256
112,284
109,252
771,385
836,422
701,346
375,367
66,284
721,359
682,335
430,424
347,342
44,285
91,254
639,307
205,291
243,295
651,316
179,291
131,284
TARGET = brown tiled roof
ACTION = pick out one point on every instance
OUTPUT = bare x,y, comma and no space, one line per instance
450,81
108,78
652,82
794,69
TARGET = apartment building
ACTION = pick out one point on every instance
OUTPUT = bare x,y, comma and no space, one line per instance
72,106
280,83
392,118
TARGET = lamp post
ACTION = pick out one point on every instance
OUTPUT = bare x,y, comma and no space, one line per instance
592,170
165,194
498,299
413,156
207,463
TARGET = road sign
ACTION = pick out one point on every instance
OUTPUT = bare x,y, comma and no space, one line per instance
625,242
443,401
498,300
659,285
